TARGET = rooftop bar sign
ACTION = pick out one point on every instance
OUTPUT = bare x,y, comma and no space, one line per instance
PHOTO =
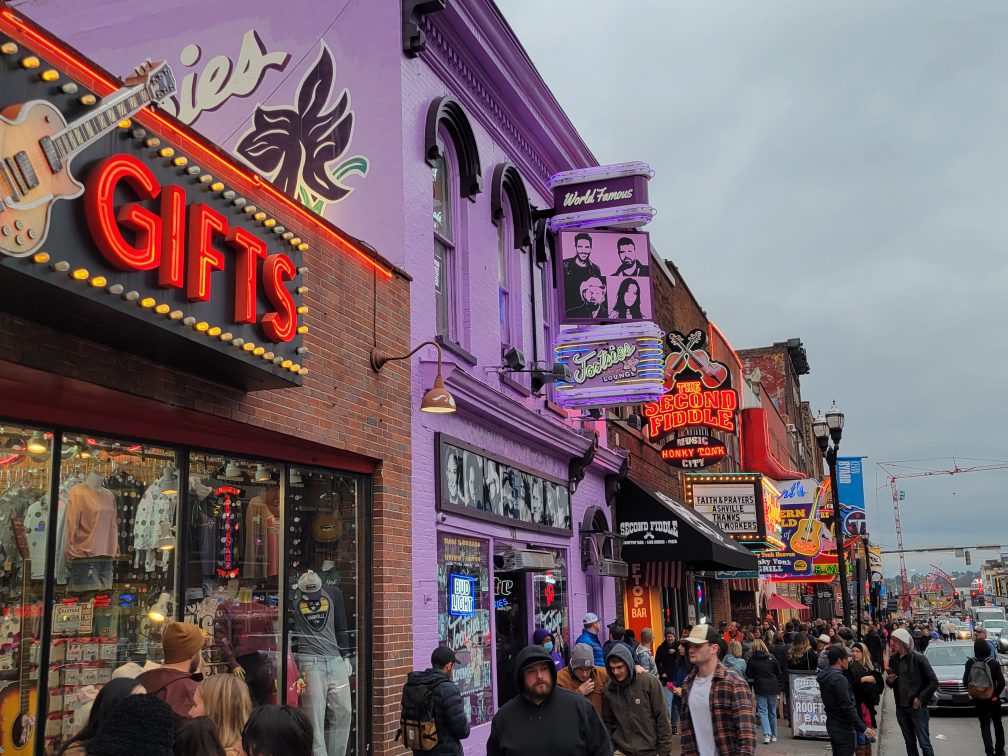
609,365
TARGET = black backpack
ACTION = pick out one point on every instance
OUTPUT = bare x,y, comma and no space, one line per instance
417,727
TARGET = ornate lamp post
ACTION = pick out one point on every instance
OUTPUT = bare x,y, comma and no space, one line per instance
830,428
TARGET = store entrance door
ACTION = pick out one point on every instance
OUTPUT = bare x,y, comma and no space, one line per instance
511,623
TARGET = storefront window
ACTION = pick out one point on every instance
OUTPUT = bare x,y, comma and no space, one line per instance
323,550
550,595
114,566
232,567
464,601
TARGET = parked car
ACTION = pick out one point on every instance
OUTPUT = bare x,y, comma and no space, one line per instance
964,631
949,663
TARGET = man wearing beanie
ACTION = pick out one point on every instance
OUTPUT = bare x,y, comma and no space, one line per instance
137,725
177,681
914,683
582,676
987,699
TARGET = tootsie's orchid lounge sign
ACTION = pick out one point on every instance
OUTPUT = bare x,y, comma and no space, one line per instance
609,365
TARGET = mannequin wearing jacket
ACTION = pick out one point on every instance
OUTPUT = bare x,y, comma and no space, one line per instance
321,645
245,632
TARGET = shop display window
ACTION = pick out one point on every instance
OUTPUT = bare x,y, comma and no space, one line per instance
464,603
233,567
324,598
549,591
114,568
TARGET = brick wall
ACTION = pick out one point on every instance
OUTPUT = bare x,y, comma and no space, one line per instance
342,405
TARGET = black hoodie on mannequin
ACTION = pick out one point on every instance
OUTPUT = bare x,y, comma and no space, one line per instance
565,724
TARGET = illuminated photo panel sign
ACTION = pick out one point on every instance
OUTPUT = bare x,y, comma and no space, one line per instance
604,277
609,365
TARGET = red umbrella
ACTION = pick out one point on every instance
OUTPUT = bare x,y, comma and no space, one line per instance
777,602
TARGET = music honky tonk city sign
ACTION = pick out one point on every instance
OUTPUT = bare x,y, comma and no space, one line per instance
698,397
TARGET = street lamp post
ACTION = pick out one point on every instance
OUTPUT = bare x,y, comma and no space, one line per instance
826,429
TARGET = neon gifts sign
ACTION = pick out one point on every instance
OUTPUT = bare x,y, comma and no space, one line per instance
609,365
178,242
700,393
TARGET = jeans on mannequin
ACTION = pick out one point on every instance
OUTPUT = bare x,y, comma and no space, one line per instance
326,697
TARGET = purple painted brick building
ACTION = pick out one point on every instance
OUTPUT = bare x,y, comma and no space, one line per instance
431,137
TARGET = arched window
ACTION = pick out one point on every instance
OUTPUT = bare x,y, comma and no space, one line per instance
450,148
509,208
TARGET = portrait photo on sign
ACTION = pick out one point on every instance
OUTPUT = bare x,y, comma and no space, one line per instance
452,476
472,466
605,276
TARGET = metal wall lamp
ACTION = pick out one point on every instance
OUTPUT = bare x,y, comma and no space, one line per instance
437,399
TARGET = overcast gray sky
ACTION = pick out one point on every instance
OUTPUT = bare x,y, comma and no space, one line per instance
835,171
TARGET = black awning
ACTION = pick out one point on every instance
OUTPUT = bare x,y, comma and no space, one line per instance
657,528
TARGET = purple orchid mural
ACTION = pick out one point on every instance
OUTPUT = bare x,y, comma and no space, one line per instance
296,147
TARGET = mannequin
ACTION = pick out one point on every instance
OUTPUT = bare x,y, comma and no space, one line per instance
246,634
155,507
321,644
329,573
262,535
91,537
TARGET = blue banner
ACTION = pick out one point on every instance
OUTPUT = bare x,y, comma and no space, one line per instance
850,492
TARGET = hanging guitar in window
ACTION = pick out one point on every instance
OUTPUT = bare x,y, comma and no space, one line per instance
19,701
37,145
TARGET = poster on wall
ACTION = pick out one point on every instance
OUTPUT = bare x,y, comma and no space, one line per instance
605,277
476,484
549,590
464,602
850,492
808,715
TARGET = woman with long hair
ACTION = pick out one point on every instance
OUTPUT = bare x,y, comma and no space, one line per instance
801,656
866,681
627,306
228,704
681,671
111,694
764,671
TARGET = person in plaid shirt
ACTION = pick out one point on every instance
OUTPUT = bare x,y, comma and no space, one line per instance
718,717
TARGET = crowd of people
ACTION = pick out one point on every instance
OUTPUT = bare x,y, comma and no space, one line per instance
174,711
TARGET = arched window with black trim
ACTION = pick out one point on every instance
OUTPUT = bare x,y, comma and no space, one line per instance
451,153
510,210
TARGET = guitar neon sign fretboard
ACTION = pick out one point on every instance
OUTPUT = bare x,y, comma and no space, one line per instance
80,134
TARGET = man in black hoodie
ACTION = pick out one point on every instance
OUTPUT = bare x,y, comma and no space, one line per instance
543,718
449,716
842,719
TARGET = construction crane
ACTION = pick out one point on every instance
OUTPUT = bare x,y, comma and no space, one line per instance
895,471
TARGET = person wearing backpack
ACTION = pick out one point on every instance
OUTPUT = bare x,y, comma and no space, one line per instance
433,720
985,682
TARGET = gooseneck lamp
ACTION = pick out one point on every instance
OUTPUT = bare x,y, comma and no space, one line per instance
437,399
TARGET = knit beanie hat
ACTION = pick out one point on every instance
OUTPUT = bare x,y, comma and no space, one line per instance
181,641
903,636
137,725
582,656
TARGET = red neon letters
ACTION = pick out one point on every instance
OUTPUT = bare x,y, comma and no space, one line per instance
181,245
689,405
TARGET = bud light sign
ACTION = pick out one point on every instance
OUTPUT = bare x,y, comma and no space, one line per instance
461,595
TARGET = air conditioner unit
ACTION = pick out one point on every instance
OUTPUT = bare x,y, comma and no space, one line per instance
528,560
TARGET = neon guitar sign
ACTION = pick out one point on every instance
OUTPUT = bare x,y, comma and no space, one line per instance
37,145
699,390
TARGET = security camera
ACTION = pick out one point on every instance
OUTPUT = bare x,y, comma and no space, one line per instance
441,518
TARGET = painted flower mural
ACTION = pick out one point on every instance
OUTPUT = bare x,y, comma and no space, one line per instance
301,148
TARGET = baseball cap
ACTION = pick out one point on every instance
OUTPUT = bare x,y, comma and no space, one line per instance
702,634
590,618
836,653
442,655
903,635
824,639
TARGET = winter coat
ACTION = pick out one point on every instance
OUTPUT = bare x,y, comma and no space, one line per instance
647,661
613,642
449,716
566,679
592,640
806,663
914,679
838,701
665,659
864,692
733,662
779,651
765,673
539,636
565,724
876,648
635,711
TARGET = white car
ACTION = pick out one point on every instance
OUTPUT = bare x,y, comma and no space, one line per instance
995,627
